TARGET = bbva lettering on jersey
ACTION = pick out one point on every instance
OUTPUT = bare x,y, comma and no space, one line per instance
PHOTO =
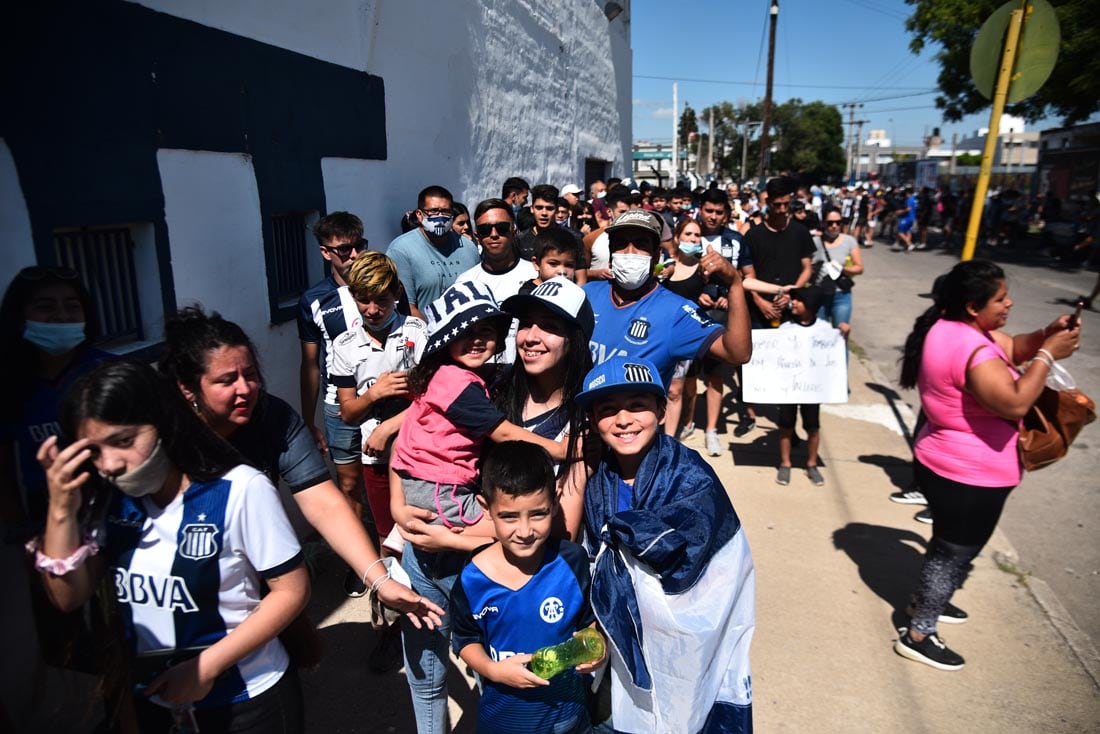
145,590
601,352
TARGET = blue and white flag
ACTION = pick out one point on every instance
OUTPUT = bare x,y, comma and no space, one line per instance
674,588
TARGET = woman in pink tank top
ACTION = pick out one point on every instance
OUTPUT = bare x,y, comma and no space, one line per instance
967,461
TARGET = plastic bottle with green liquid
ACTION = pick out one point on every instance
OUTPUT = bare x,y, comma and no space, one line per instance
586,646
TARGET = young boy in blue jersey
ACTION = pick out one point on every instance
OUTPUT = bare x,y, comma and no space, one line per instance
525,592
673,582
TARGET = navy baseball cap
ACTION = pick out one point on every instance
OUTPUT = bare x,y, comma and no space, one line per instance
620,374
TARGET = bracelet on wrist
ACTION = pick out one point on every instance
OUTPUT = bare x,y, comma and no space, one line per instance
1042,360
367,572
1049,356
61,566
379,582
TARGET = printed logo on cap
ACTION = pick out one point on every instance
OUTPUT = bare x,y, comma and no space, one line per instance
548,289
634,372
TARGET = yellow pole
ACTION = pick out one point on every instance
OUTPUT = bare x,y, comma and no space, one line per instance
1004,78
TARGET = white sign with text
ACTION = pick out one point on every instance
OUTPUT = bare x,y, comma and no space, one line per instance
797,364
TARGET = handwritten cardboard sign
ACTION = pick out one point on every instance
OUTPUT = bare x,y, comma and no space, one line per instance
797,364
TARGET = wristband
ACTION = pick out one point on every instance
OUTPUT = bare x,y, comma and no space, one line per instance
61,566
367,572
1043,360
1050,356
380,582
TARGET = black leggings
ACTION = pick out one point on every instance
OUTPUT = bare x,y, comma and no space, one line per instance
278,710
963,520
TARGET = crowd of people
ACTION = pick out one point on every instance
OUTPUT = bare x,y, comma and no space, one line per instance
505,391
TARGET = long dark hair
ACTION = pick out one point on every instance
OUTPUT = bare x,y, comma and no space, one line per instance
130,393
189,337
20,366
512,397
972,282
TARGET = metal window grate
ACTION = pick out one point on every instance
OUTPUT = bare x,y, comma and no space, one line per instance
291,274
105,260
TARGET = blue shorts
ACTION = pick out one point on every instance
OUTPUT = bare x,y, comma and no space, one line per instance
344,441
906,225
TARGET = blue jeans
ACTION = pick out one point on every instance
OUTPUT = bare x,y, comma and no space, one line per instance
837,309
427,652
345,443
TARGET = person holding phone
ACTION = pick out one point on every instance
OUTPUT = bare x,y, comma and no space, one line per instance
190,532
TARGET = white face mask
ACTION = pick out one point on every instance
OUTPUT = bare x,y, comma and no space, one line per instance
147,478
631,271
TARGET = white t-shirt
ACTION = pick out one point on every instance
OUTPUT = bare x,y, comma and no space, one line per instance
503,285
358,361
188,574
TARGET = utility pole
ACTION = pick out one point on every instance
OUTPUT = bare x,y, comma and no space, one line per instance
773,16
675,175
710,142
954,151
851,107
859,146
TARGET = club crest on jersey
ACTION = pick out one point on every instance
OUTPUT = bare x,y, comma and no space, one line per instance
638,333
197,541
551,610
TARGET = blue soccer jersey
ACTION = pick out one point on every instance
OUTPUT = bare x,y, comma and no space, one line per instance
187,574
661,327
547,610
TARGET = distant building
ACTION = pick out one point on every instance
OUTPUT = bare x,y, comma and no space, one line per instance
1069,161
178,150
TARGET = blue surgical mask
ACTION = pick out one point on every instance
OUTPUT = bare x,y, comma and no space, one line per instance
691,249
437,226
384,325
55,339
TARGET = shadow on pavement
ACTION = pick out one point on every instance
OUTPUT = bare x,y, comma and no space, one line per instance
898,470
888,560
893,400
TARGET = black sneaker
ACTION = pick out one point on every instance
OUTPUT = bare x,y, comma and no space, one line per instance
909,497
951,614
924,516
353,585
930,651
744,427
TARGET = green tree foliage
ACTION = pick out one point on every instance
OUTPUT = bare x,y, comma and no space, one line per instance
688,124
808,139
1073,90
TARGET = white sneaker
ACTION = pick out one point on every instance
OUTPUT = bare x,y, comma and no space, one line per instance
687,431
714,444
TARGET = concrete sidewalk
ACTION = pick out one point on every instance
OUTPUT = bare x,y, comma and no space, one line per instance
834,564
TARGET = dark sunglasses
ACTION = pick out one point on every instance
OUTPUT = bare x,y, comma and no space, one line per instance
40,272
344,251
832,222
502,229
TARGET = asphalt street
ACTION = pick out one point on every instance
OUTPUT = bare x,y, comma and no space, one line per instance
1053,517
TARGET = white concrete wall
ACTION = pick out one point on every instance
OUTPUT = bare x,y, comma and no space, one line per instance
475,92
212,209
16,242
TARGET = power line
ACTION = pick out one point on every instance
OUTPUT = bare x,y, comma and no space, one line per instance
753,84
881,99
871,6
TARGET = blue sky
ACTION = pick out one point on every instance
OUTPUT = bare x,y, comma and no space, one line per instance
831,50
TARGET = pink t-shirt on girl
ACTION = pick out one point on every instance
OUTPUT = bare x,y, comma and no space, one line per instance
442,432
962,439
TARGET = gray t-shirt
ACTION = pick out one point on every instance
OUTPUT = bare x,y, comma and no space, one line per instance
425,269
839,250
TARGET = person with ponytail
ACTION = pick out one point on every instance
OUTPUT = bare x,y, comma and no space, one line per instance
966,458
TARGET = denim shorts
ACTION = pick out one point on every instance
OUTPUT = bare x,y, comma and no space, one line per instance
344,441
